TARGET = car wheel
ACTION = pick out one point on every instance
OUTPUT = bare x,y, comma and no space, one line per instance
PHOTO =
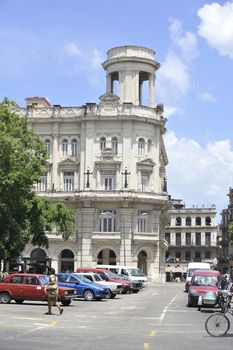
113,295
19,301
109,294
89,295
5,298
66,302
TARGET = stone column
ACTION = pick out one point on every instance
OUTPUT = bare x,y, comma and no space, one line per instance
151,91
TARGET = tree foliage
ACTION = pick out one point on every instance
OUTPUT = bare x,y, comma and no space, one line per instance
23,215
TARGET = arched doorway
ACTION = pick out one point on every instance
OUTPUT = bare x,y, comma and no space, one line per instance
106,257
38,261
67,261
142,261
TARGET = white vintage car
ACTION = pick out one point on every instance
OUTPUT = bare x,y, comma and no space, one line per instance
114,287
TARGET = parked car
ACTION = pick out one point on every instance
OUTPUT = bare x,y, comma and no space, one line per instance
136,285
108,276
84,287
134,273
24,286
113,287
204,288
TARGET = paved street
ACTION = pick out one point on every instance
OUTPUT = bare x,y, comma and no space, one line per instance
155,318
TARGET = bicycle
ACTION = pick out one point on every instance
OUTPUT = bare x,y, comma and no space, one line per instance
218,324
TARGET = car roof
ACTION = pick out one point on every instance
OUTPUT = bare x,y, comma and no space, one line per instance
206,273
90,269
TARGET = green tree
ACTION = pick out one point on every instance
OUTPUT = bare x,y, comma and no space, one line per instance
23,215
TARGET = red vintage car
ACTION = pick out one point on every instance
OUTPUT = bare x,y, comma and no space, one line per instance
27,286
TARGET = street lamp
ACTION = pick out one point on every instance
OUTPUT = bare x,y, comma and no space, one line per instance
88,173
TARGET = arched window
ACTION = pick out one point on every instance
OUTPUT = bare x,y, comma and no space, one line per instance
102,143
48,146
208,221
64,147
115,145
67,261
178,221
108,221
74,148
142,222
198,221
188,221
141,147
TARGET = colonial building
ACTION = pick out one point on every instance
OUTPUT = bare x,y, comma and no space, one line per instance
225,259
107,162
191,236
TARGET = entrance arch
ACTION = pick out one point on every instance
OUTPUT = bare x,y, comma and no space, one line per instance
38,261
67,261
106,257
142,261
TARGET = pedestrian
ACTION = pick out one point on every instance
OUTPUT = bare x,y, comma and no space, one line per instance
225,283
52,293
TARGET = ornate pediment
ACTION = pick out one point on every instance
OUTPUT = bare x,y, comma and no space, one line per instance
146,164
109,97
108,157
68,164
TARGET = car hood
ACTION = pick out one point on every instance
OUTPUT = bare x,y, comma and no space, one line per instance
203,289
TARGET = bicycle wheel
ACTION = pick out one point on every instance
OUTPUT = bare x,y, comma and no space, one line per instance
217,324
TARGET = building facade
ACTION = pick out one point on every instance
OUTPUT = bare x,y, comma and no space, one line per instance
225,259
107,162
191,236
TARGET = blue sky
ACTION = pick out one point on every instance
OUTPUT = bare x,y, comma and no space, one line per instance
54,48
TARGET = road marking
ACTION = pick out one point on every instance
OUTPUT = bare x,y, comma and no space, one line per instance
146,346
166,308
155,294
152,334
52,324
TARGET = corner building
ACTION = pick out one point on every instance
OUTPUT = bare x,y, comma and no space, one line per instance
107,162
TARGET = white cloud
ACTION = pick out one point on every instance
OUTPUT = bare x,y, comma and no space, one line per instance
206,96
96,59
174,75
169,111
72,50
199,175
187,42
173,78
217,26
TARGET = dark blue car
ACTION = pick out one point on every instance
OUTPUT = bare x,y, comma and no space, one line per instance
85,288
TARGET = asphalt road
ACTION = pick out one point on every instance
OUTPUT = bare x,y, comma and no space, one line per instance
155,318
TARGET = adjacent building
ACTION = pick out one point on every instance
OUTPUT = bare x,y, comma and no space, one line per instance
225,258
191,236
107,162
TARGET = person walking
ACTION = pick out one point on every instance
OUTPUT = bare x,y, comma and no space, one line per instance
52,293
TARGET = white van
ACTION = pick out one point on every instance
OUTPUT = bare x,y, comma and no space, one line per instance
134,273
192,267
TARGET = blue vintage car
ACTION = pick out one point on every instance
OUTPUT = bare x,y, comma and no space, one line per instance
85,288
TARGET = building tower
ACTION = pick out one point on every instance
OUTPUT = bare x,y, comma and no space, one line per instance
107,162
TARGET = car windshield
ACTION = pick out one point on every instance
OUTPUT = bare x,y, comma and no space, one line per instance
136,272
44,279
81,278
97,277
205,281
112,275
